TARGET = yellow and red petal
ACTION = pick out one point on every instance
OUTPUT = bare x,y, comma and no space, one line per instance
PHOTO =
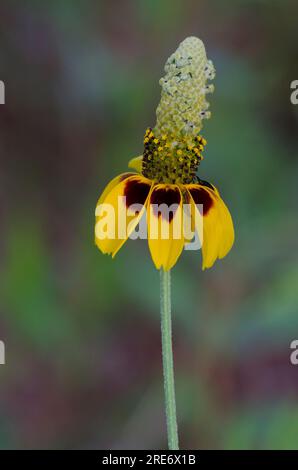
165,225
218,230
115,202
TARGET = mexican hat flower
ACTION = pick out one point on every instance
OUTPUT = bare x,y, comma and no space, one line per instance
167,172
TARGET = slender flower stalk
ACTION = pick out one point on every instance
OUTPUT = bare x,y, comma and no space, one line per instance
167,358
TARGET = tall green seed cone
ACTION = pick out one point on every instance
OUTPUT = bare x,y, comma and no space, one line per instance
183,104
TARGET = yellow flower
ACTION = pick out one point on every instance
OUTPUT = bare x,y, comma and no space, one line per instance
167,175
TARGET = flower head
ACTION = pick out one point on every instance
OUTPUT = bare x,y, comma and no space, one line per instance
167,173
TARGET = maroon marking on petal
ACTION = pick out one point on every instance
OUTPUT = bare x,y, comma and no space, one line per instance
136,192
201,196
206,183
166,196
125,176
186,197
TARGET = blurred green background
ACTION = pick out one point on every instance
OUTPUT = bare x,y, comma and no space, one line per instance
83,361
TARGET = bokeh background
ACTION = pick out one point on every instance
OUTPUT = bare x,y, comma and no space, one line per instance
83,360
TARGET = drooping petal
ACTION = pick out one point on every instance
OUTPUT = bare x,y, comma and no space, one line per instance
136,163
112,184
116,219
227,231
165,225
218,230
193,223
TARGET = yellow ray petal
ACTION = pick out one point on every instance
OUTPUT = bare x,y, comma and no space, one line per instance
112,184
193,222
114,221
228,234
198,195
165,225
136,163
218,230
